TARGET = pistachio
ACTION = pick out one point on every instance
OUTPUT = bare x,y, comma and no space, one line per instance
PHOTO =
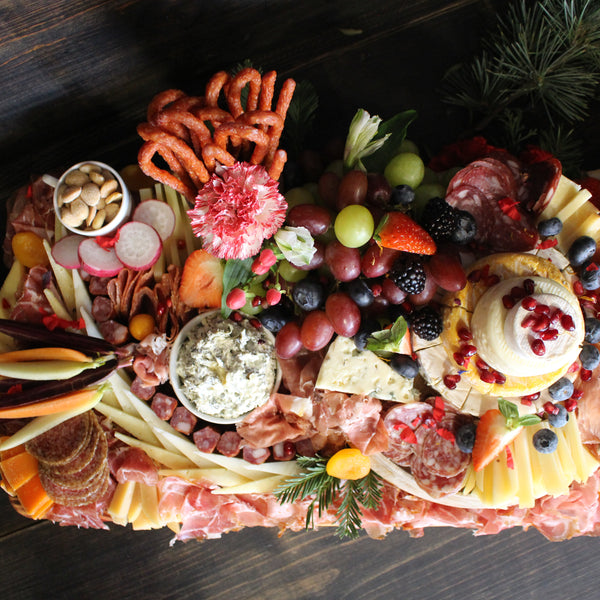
76,177
108,187
90,194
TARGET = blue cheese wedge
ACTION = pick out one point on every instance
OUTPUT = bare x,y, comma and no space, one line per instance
352,371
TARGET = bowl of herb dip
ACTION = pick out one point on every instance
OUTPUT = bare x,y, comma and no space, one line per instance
221,369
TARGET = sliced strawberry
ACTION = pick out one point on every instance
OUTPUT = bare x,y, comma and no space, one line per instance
398,231
593,186
202,280
492,436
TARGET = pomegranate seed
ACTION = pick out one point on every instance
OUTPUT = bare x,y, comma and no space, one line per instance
538,347
499,378
577,395
517,292
578,288
567,322
541,324
474,276
464,334
487,377
468,349
529,286
526,401
256,301
541,309
461,360
255,323
508,302
585,374
451,381
481,364
492,280
555,316
236,317
528,321
550,408
376,289
529,303
573,368
570,404
549,335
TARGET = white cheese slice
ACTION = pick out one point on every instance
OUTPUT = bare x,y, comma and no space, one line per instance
347,369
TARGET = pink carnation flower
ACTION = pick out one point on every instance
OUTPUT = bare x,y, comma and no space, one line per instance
236,210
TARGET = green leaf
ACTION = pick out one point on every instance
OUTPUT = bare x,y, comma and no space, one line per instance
396,129
527,420
387,341
237,273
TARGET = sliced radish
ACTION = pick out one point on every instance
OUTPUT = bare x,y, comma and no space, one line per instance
138,246
157,214
99,261
66,251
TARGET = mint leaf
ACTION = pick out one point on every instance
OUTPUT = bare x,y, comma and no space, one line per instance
237,273
388,341
527,420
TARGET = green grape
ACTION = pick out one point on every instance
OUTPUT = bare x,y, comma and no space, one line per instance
354,226
291,273
298,195
337,167
405,168
408,146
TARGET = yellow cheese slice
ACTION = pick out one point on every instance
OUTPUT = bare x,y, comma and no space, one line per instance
120,503
564,193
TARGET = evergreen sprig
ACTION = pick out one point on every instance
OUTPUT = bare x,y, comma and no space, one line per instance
325,489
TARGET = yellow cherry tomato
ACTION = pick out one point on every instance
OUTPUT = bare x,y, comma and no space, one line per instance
349,463
141,325
28,249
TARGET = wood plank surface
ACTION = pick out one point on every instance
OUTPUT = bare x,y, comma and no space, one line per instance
76,79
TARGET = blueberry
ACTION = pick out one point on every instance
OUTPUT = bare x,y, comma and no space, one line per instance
589,357
592,330
402,195
405,366
561,390
466,228
550,227
545,441
360,292
308,294
582,249
465,437
589,275
559,419
367,327
274,318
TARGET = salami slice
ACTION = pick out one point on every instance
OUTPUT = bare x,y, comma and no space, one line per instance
490,176
398,419
472,200
435,485
62,443
440,455
163,406
76,496
206,439
229,443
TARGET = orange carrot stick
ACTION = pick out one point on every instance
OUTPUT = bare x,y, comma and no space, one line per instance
70,401
44,354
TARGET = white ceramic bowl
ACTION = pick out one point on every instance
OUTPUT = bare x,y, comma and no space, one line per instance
111,226
176,381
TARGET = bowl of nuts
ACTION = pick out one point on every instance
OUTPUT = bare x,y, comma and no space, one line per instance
91,199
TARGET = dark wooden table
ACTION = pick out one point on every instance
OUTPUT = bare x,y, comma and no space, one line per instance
76,77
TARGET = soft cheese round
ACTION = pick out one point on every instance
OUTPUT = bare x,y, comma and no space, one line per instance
505,344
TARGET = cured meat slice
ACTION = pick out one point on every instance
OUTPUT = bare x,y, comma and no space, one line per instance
76,496
163,406
183,420
396,421
143,391
114,332
491,177
62,443
435,485
543,178
206,439
133,464
440,455
255,456
98,286
229,443
103,309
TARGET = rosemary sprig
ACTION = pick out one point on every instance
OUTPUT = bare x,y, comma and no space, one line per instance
325,489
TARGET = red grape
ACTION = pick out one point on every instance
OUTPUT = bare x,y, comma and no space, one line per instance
343,262
391,292
316,330
329,183
378,190
428,292
448,272
288,341
343,313
353,189
315,218
377,261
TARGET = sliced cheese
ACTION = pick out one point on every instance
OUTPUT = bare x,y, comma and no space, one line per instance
520,450
8,292
64,279
136,426
172,460
260,486
149,496
216,475
347,369
83,300
574,204
121,502
135,508
565,192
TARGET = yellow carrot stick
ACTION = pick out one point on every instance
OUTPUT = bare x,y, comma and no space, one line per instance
44,354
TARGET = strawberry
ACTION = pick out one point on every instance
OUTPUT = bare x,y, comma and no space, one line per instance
201,281
497,428
398,231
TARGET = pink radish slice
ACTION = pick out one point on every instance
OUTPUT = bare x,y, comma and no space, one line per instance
66,251
157,214
138,246
99,261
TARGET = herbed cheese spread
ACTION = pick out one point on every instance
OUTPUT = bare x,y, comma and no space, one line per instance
226,368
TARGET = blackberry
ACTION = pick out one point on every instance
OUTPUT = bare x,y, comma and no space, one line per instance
426,323
408,274
439,219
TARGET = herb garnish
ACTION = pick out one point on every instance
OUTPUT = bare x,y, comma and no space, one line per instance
365,492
